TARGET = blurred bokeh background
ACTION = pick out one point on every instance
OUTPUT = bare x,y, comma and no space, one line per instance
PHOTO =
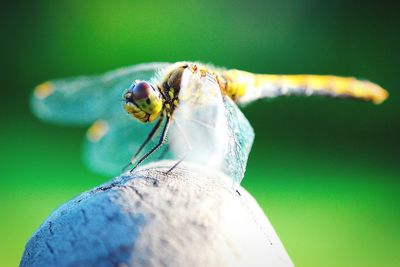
326,172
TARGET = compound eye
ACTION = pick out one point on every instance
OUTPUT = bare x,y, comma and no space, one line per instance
141,90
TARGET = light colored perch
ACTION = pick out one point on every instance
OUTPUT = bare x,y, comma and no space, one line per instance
186,218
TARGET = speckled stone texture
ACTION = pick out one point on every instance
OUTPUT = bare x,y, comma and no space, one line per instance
185,218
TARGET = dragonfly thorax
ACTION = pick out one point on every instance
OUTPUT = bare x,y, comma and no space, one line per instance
143,101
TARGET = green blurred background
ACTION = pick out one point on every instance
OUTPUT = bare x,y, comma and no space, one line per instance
326,172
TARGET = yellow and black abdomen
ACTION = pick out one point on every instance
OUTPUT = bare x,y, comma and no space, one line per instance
245,87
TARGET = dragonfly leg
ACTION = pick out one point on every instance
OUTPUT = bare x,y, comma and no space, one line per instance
149,137
161,141
164,152
189,148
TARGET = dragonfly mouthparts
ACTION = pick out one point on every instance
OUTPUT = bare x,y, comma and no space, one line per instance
142,101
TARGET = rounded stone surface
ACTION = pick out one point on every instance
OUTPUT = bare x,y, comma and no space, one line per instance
188,217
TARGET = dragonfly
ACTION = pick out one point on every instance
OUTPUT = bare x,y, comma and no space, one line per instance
182,111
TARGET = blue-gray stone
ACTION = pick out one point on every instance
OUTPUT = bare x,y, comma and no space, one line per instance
184,218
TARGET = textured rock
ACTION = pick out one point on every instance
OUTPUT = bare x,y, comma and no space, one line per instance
184,218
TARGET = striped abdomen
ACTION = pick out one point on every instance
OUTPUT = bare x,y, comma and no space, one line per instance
245,87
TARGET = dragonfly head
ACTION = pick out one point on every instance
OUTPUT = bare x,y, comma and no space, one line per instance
143,101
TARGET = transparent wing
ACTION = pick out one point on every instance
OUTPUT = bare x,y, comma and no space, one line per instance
110,143
241,136
215,134
82,100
